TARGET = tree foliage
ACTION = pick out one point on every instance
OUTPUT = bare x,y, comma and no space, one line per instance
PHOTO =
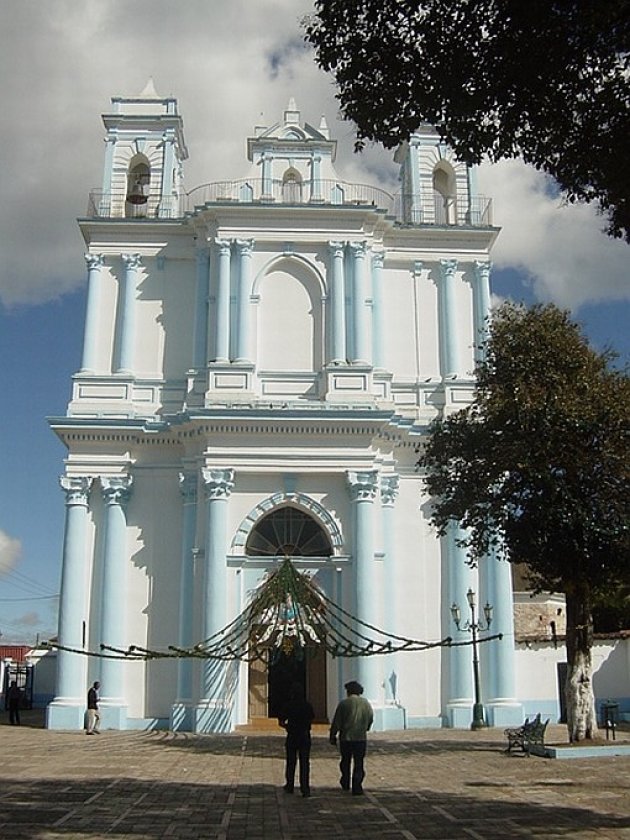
545,80
538,466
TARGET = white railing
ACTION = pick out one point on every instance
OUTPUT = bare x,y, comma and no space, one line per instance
405,208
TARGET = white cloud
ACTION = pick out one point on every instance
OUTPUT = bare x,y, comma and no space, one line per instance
10,551
231,65
562,248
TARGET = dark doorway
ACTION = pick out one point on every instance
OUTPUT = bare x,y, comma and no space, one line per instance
562,680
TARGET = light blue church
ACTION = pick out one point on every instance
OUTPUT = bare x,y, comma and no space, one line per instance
261,360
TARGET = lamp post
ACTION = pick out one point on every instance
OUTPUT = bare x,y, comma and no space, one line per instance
473,626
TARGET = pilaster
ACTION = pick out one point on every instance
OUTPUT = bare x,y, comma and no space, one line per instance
338,354
200,332
481,305
181,712
244,249
127,314
361,351
460,579
449,345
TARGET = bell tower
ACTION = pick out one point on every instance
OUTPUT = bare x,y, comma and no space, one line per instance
437,189
145,150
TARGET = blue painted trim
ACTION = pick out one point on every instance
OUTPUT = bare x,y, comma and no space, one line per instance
425,722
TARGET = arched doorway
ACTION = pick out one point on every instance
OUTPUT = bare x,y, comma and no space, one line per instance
287,532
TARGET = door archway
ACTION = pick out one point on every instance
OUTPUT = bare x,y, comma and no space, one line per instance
287,532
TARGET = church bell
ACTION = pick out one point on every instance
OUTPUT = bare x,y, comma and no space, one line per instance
136,194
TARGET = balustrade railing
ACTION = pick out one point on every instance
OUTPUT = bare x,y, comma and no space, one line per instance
408,209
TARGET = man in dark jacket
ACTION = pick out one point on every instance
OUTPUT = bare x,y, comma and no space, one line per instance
296,718
353,717
93,714
14,701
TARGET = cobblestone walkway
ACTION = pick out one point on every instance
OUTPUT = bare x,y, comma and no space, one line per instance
425,784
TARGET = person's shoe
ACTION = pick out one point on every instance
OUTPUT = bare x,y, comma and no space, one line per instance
306,793
358,792
288,788
344,786
89,733
97,731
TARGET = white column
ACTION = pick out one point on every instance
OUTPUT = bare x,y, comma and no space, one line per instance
244,248
200,332
389,492
378,258
66,710
116,492
222,309
449,343
337,294
363,487
168,164
360,306
92,312
460,579
498,665
481,305
181,713
127,313
214,710
316,184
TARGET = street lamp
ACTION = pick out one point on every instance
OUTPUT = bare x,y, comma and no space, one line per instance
474,626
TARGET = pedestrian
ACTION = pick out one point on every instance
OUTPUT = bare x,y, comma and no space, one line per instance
352,720
296,717
93,714
14,699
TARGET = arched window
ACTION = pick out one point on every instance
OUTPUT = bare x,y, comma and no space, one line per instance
444,191
138,179
288,532
292,187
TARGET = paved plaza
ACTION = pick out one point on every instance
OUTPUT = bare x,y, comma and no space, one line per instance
420,784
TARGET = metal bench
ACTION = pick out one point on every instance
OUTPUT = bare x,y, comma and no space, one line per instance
531,733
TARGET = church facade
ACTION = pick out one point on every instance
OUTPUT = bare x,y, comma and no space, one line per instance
261,360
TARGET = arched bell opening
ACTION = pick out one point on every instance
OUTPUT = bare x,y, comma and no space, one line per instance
293,533
445,194
292,187
138,181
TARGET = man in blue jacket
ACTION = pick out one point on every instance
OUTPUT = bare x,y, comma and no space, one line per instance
352,720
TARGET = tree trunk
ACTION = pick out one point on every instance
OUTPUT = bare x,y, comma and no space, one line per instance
580,700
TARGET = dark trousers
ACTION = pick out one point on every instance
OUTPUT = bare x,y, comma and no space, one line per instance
14,713
352,756
298,746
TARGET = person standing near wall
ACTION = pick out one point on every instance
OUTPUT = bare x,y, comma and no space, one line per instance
14,701
93,714
352,720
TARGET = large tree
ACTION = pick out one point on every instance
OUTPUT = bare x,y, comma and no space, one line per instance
545,80
538,468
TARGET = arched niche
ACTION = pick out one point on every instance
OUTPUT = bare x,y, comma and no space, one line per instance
445,193
290,318
292,186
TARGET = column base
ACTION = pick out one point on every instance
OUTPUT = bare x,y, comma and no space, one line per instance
181,718
388,718
212,716
113,717
504,713
65,714
459,715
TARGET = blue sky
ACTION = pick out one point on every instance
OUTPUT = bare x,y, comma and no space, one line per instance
62,73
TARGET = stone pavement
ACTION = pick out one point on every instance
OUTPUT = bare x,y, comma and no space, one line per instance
424,784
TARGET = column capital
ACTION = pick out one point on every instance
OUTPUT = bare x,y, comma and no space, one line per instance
245,246
448,268
359,249
224,245
218,484
378,259
116,489
188,487
482,269
362,485
131,261
336,247
76,489
389,489
94,261
417,268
